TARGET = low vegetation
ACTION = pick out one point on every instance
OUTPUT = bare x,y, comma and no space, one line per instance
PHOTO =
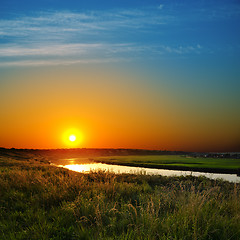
39,201
175,162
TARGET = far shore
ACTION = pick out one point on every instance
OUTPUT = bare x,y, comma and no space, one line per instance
180,168
222,163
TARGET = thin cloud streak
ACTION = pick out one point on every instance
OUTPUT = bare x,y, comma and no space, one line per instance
83,36
51,50
88,35
29,63
63,22
102,50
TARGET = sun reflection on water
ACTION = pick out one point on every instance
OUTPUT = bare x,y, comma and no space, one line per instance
84,165
101,166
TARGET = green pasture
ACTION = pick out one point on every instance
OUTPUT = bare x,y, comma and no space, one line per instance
171,160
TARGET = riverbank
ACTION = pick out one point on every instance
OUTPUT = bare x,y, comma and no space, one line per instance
175,162
181,161
39,201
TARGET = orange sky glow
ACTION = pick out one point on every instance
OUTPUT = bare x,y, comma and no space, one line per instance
106,110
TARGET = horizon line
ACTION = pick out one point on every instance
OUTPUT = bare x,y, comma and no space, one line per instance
138,149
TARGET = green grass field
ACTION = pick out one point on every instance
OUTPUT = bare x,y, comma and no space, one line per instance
39,201
169,161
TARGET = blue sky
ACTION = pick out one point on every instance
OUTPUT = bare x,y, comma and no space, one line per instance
189,48
71,32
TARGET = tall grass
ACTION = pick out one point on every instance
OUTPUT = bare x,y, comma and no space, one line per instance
38,201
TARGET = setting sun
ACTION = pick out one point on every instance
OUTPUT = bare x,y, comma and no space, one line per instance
72,138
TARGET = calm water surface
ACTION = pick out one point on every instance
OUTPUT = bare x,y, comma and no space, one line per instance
85,165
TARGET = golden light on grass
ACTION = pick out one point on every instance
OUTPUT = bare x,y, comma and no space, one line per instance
72,138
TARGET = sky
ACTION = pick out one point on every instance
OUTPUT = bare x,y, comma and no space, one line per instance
152,74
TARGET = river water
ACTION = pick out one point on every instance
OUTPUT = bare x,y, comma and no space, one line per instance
85,165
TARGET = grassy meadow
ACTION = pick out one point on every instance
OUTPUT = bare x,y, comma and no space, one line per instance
175,162
39,201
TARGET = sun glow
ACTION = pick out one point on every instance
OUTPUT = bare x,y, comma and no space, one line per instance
72,138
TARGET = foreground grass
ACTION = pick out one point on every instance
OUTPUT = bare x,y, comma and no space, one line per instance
38,201
173,161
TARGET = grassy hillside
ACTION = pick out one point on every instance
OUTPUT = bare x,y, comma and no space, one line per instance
39,201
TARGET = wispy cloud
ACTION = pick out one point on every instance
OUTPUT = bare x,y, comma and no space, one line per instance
71,37
66,62
160,7
65,54
84,49
50,50
64,26
183,49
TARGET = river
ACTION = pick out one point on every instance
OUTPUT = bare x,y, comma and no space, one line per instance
85,165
